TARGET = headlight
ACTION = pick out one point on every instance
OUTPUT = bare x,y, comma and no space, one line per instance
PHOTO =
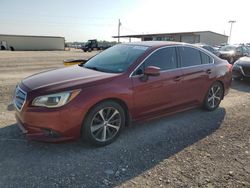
55,100
236,65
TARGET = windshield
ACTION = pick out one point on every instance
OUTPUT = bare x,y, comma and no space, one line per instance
228,48
116,59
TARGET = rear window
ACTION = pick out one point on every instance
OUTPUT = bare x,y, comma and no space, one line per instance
205,58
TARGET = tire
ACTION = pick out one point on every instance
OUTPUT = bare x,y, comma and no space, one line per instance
3,48
103,123
214,96
12,48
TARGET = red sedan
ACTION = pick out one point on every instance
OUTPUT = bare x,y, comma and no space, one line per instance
128,82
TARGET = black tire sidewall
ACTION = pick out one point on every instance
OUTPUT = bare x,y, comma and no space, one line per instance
86,126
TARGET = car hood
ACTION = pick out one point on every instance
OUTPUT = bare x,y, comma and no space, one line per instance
244,61
65,78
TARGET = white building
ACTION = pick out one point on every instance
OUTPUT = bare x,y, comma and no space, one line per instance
31,43
207,37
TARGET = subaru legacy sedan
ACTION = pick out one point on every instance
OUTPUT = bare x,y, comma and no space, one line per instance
127,82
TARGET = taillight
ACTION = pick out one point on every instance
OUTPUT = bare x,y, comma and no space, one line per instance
230,67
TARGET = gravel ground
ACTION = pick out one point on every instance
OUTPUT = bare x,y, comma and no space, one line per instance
195,148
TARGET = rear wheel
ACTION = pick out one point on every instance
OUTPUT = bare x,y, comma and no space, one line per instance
103,123
214,96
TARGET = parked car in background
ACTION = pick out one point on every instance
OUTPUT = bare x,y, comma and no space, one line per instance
209,48
127,82
94,45
248,48
5,46
233,52
241,68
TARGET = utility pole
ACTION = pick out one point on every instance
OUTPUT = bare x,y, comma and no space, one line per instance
119,26
231,27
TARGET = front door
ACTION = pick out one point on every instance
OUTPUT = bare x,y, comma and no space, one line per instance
157,93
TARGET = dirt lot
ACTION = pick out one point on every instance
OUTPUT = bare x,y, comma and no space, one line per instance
190,149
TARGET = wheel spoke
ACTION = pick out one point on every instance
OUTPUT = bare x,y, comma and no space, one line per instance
115,112
210,98
113,121
101,114
217,90
213,101
96,127
104,133
217,98
113,126
212,90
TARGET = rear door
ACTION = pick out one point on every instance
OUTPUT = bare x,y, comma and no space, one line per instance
197,69
157,92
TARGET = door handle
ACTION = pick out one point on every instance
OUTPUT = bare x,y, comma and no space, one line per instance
208,71
177,78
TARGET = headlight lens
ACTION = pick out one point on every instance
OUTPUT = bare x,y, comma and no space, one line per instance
55,100
236,65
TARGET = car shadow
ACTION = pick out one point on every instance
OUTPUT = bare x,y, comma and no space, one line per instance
241,85
140,147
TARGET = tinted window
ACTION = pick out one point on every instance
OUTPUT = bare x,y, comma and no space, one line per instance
205,58
163,58
239,49
189,56
208,48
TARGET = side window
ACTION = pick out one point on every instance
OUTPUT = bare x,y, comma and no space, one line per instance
165,59
239,49
205,58
245,50
189,57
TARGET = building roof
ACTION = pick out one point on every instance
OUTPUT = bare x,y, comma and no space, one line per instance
165,34
30,36
154,43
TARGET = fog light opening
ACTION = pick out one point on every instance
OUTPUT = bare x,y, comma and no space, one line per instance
51,133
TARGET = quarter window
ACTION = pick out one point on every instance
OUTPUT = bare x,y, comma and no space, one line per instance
165,59
189,57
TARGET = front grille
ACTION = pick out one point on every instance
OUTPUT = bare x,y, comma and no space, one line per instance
246,70
19,98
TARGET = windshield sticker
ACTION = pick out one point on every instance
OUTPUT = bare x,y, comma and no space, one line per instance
140,47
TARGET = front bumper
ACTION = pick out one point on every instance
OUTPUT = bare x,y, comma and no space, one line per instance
50,125
45,134
238,72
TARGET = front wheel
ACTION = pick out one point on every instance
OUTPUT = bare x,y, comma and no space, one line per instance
103,123
214,96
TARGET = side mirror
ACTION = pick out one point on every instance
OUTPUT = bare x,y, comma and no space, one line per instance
152,71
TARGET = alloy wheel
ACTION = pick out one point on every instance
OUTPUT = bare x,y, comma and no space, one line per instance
105,124
214,96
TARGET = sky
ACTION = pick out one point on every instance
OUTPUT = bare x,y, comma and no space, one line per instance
80,20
